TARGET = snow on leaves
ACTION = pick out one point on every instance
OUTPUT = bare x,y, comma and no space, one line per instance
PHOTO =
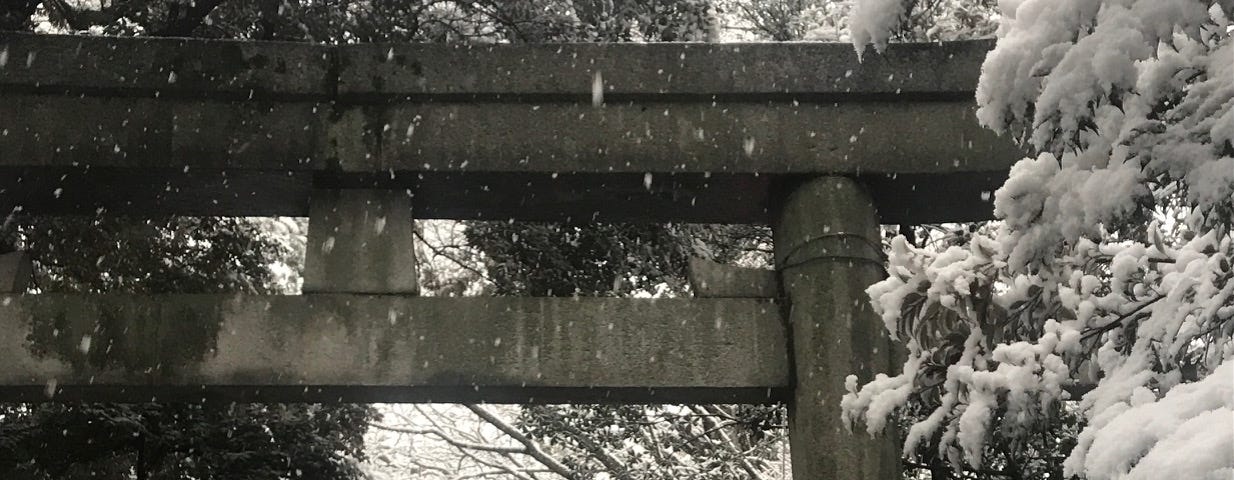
1110,270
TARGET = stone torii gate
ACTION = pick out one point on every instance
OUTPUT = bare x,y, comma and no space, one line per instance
364,138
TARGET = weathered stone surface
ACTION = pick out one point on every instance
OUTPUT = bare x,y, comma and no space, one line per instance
614,197
660,69
778,138
865,138
710,279
247,69
165,66
828,252
441,120
360,241
15,272
922,167
62,131
390,348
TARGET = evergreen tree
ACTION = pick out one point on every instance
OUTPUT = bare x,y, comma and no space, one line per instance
168,441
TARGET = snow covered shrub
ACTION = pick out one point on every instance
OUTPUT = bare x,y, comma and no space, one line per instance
1108,279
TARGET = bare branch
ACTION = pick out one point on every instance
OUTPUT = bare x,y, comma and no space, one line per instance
448,439
533,448
455,260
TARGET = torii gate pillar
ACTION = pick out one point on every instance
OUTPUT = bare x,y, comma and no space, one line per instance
827,253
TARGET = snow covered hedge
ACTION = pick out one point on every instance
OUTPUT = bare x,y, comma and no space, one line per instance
1110,269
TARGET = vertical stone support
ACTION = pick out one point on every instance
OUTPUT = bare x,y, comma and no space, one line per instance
360,241
16,270
828,252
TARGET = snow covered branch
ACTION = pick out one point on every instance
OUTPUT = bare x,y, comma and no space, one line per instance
1111,265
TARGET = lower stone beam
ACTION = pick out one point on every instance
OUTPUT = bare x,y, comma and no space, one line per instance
325,348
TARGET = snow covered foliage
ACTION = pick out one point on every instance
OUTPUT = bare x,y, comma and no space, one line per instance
875,21
879,22
1108,279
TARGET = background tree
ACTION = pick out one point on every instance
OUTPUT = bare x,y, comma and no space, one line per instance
168,441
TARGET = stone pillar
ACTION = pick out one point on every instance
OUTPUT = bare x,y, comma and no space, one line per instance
827,252
360,241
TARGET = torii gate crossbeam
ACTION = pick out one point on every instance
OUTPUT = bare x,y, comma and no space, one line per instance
364,138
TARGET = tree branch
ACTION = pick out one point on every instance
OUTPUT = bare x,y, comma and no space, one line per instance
1096,331
448,439
533,448
182,24
611,463
494,473
460,263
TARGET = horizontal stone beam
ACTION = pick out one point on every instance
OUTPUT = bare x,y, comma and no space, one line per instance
753,70
572,198
230,69
252,126
697,163
134,348
868,138
101,65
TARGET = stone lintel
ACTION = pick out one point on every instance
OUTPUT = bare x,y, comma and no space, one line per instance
252,123
390,348
205,68
925,162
